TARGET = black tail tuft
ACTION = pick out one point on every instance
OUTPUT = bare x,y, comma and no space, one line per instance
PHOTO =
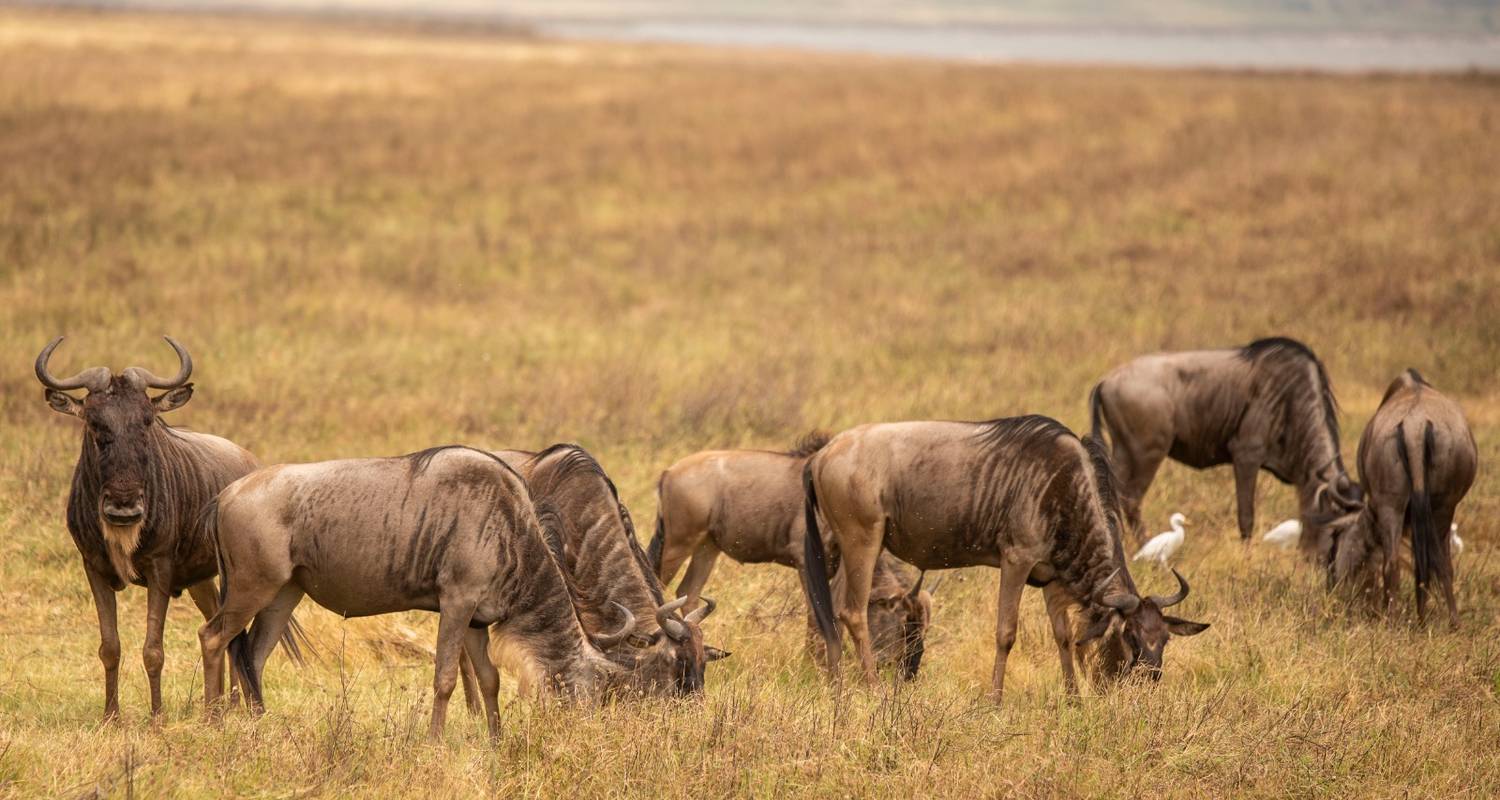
1096,413
814,573
243,663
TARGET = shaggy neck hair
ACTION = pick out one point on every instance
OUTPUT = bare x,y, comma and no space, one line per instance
1298,397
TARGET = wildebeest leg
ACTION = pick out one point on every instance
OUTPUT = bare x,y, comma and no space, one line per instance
469,680
158,597
1012,582
1246,468
206,597
1389,523
109,640
698,571
676,550
245,601
1135,464
477,653
1058,603
1442,522
453,620
270,626
860,554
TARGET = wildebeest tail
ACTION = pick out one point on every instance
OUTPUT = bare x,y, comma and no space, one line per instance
659,538
1096,413
244,663
814,572
239,657
1429,546
293,640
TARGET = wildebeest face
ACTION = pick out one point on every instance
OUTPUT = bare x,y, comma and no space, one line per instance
679,649
898,628
118,416
1135,634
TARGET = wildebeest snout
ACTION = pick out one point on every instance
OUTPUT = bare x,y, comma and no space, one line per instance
123,505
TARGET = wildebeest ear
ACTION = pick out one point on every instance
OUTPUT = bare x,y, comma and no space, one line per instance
64,403
1182,627
1096,628
711,653
175,398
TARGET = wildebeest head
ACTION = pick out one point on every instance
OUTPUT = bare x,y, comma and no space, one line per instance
674,657
1354,550
118,417
1134,631
898,626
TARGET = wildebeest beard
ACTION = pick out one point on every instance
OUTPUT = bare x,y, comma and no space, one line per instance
120,542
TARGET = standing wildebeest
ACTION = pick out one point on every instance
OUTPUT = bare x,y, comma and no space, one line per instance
450,529
747,504
1267,405
1022,494
605,562
138,490
1417,460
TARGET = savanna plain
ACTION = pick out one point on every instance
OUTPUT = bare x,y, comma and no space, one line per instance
375,239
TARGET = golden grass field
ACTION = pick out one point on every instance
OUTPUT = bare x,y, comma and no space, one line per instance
374,240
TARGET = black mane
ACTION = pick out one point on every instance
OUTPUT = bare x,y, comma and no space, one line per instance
575,460
810,442
1022,432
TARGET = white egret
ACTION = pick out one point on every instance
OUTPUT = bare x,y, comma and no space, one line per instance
1164,545
1286,535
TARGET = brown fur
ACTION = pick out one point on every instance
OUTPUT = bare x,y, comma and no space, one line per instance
747,504
1417,460
452,530
604,560
154,480
1021,494
1268,405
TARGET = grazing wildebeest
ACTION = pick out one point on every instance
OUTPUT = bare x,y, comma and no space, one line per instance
1267,405
1022,494
605,562
450,529
138,490
1417,460
747,504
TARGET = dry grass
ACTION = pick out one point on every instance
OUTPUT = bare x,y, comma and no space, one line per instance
374,242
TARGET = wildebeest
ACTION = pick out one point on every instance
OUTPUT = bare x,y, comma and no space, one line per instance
138,490
601,554
1417,460
1268,405
1022,494
747,504
449,529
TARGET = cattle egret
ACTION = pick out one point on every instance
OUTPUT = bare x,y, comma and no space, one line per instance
1454,543
1164,545
1286,535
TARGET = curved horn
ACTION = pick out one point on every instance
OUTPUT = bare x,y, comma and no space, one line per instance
607,640
697,615
674,629
1121,602
94,378
1341,498
145,376
916,587
1182,592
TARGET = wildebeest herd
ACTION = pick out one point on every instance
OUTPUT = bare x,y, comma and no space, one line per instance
531,560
